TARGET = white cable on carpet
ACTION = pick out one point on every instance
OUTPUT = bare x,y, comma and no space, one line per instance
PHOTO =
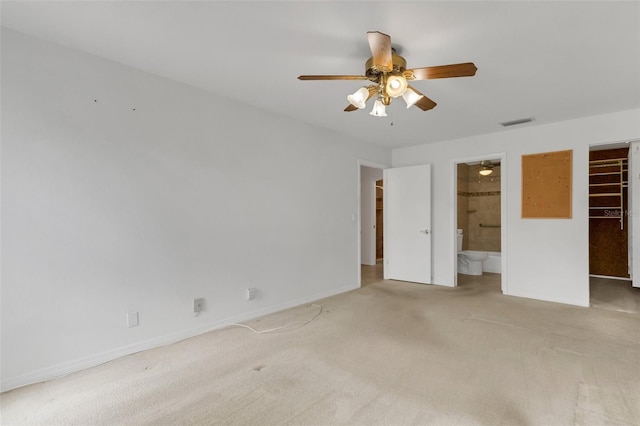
284,326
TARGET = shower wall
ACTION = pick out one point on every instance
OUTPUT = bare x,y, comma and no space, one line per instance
479,208
463,202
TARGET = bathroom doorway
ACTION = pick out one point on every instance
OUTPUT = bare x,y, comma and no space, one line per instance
479,229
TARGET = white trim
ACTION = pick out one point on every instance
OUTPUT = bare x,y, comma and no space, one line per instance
612,145
453,214
609,277
66,368
371,164
633,195
504,220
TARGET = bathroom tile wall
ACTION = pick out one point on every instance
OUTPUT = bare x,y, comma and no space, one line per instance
482,226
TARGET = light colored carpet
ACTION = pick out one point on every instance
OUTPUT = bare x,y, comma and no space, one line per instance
390,353
617,295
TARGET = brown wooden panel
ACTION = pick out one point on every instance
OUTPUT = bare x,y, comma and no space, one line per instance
608,237
379,221
546,185
608,248
606,154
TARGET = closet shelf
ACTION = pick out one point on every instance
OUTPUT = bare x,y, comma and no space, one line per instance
604,174
614,161
605,184
605,217
601,172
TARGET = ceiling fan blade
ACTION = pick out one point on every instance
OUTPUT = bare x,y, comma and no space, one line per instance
423,103
380,45
333,77
466,69
373,90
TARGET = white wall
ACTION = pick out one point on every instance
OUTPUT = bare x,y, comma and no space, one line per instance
368,178
107,210
548,259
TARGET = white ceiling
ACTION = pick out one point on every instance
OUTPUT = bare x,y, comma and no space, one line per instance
549,60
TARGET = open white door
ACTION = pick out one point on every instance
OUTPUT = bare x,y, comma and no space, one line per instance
633,193
407,224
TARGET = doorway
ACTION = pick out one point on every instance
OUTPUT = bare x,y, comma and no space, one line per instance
371,237
406,238
373,273
608,204
479,255
379,221
610,239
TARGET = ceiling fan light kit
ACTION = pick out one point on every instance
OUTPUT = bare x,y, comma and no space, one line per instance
389,72
359,98
411,97
396,85
379,110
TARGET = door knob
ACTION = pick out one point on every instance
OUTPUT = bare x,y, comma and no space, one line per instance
426,231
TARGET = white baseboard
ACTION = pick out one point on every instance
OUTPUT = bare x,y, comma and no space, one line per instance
610,277
573,302
66,368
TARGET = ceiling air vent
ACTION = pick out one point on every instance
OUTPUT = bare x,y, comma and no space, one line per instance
519,121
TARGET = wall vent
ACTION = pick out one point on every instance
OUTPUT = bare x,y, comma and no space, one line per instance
519,121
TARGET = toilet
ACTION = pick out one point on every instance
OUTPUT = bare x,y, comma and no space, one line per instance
469,261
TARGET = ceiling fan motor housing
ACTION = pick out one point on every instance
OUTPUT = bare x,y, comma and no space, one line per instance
372,71
379,74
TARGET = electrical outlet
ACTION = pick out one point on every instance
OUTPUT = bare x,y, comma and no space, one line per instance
132,319
251,293
198,305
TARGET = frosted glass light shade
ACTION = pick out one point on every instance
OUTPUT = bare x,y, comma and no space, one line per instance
378,109
396,85
359,98
485,172
411,97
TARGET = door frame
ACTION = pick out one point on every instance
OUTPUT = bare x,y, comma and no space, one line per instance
502,156
633,195
366,163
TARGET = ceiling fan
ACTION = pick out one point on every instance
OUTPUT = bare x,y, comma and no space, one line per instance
389,72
